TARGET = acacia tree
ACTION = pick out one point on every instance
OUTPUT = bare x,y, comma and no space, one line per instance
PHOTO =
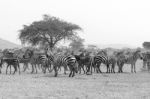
77,43
48,31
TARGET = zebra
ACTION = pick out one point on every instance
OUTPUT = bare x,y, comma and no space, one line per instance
11,60
33,59
146,58
98,59
131,59
84,60
112,61
25,62
65,61
46,62
41,59
120,60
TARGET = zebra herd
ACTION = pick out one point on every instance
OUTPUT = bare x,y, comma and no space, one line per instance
85,61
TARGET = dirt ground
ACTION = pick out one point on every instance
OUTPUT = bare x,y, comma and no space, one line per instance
96,86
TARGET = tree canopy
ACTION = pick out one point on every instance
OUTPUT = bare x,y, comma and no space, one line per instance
146,45
77,43
48,31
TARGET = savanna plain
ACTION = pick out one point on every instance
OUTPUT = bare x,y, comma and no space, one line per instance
125,85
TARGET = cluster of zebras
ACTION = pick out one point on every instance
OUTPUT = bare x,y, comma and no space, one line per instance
85,61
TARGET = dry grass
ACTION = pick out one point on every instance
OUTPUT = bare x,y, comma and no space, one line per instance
96,86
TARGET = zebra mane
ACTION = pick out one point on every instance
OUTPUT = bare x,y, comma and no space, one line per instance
102,52
136,52
29,53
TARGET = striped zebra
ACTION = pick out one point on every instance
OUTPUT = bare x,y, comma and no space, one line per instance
120,62
112,62
46,62
41,60
98,59
131,59
11,60
1,64
84,61
25,63
146,59
33,59
65,61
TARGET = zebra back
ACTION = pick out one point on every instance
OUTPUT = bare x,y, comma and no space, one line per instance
101,59
64,60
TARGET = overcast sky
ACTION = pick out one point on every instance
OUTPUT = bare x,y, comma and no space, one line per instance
103,21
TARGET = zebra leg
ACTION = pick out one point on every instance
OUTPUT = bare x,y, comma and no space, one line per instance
98,67
113,68
73,73
7,68
118,69
25,67
49,68
43,69
0,70
134,68
70,73
18,67
1,67
10,69
15,69
88,69
91,68
35,66
121,68
32,69
131,68
56,72
65,68
39,66
83,69
144,64
107,68
79,69
60,68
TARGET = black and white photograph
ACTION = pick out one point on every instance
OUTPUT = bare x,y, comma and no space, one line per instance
74,49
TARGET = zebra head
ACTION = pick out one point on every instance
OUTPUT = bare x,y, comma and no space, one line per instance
28,53
138,54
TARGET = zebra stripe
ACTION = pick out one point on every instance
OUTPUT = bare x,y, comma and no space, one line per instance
98,59
112,62
146,59
132,60
11,61
65,61
46,62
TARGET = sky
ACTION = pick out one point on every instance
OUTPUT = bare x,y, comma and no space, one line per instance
102,21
